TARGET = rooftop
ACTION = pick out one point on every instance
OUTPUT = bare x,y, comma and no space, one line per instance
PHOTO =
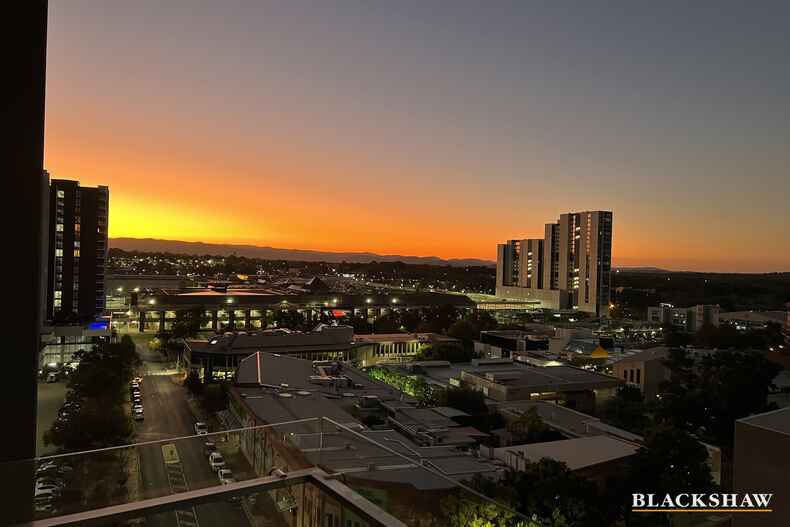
404,337
322,338
657,353
776,421
576,453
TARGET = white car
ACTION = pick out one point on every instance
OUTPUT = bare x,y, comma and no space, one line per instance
47,493
216,461
200,428
138,414
225,476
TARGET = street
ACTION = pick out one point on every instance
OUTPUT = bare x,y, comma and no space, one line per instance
167,414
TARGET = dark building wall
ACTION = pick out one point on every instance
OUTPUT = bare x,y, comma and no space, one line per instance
23,35
762,464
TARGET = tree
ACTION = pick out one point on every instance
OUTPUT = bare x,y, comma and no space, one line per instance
360,324
464,331
445,351
466,400
188,323
707,396
529,427
671,461
626,409
549,493
289,319
193,383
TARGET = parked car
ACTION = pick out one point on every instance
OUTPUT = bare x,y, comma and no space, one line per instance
51,467
52,377
201,428
225,475
216,461
209,447
138,414
47,493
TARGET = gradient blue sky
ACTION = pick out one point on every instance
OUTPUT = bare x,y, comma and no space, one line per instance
434,128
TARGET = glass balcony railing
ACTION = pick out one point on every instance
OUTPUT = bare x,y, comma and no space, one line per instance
312,472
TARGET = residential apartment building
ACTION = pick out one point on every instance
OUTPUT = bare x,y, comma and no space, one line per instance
77,250
569,268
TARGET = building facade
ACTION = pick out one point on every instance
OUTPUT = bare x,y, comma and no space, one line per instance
569,268
77,250
689,319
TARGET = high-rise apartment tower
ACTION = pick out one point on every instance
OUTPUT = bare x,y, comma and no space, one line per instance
569,268
77,250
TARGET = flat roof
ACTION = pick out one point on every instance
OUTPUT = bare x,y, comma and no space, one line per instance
404,337
776,421
660,352
576,453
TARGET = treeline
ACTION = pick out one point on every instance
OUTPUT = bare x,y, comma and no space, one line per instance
93,415
732,291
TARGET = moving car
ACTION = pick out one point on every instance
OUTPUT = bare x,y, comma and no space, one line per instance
216,461
201,428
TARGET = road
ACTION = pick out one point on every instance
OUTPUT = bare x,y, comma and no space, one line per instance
167,415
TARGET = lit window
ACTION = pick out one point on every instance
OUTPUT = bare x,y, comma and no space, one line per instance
59,227
58,252
57,302
77,227
76,252
61,194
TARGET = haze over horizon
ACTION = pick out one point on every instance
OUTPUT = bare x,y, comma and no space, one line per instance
418,129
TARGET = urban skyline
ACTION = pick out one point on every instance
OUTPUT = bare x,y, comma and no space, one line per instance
437,111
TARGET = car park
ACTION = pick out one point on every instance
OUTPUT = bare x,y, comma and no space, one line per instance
216,461
201,428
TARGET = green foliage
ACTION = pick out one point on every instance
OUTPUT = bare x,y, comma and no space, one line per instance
193,384
707,396
468,511
426,394
627,409
445,351
529,427
99,387
671,461
549,494
727,336
188,323
289,319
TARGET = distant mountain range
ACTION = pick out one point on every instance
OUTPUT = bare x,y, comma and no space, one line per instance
273,253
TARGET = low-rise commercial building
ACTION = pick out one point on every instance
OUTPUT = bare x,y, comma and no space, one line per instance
505,380
596,458
59,343
688,319
393,347
645,370
218,357
504,343
250,308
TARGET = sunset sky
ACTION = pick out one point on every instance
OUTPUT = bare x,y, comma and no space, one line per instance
431,128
